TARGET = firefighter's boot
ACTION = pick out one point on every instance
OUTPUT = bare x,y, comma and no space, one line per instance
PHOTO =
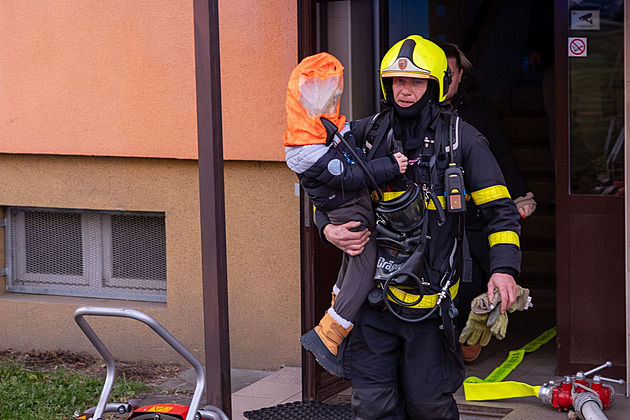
324,341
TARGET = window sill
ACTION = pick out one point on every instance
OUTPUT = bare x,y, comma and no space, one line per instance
81,301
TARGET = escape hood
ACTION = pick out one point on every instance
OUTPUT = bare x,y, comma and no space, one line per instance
314,91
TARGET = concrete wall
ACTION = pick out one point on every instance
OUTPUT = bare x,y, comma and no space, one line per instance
90,94
263,256
263,245
165,185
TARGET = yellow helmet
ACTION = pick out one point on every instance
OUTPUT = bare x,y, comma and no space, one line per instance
417,57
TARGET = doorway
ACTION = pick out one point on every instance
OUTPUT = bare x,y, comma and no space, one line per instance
590,185
494,35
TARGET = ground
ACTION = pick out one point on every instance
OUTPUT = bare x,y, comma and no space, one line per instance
152,374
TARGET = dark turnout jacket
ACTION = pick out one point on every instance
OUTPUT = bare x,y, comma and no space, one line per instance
331,176
485,188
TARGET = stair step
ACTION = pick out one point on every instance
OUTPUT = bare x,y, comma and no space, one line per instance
544,191
543,297
527,95
538,175
506,109
538,230
533,160
538,261
540,281
519,143
537,280
526,127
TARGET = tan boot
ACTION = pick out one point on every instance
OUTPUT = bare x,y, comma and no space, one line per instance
471,353
323,342
331,333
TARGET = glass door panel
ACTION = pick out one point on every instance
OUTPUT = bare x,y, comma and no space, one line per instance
596,98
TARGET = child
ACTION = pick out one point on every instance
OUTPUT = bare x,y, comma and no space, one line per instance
337,185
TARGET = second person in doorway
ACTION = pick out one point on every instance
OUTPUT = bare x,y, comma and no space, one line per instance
466,98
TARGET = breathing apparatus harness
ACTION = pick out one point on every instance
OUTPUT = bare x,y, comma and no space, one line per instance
402,228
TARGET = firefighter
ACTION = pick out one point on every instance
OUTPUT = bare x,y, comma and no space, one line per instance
402,369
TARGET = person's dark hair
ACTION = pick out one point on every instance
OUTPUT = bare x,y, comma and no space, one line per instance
452,51
469,90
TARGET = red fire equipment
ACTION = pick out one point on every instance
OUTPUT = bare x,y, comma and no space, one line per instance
587,399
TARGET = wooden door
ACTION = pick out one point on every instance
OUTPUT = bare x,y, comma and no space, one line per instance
590,191
346,30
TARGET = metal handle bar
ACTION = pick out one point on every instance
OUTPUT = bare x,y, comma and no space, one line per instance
605,379
598,368
109,359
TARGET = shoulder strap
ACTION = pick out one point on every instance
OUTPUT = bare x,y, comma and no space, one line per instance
454,131
374,133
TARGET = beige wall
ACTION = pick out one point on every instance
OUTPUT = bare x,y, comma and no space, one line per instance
170,186
263,256
263,249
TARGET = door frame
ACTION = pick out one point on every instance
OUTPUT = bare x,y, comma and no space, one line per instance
626,28
317,384
570,208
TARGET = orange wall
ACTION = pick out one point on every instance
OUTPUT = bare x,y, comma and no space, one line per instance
95,77
258,51
117,77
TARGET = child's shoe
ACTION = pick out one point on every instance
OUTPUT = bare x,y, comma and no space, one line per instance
323,342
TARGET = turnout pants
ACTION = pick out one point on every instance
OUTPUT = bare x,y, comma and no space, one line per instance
402,370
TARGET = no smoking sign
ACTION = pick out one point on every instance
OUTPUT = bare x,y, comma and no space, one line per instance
577,47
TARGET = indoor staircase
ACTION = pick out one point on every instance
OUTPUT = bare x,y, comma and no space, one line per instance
526,128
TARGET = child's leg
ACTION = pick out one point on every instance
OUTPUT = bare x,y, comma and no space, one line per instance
356,276
336,324
342,272
357,283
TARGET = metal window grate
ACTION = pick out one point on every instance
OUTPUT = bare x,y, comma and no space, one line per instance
86,253
54,243
138,249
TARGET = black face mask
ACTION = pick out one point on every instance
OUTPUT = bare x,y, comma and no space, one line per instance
410,123
413,111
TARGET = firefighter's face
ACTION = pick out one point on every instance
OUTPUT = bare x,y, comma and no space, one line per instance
408,90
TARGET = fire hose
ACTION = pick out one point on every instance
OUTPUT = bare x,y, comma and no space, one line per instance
588,400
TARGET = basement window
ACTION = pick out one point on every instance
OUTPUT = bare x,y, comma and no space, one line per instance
99,254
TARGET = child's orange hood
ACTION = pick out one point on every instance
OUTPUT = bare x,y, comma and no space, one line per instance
314,91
